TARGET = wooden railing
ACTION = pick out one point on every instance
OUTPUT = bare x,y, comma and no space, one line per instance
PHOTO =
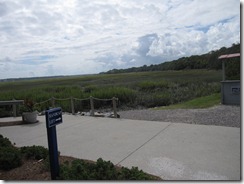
14,104
72,99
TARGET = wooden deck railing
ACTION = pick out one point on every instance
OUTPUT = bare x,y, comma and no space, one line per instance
14,104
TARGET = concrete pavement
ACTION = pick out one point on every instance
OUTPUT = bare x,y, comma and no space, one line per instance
173,151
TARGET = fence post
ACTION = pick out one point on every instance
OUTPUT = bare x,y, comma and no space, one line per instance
92,106
81,105
114,107
53,102
14,109
72,106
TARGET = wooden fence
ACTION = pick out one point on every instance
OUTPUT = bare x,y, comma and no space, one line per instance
14,104
114,100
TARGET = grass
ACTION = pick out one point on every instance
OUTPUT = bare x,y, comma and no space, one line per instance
147,89
197,103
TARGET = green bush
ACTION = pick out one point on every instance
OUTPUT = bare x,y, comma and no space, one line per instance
5,142
101,170
10,158
34,152
133,174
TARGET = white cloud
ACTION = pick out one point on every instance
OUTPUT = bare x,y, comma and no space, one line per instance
61,37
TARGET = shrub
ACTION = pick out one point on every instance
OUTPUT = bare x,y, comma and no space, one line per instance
10,158
133,174
101,170
5,142
34,152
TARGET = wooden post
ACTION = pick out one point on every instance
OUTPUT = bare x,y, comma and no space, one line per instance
81,105
53,102
72,106
14,109
92,106
114,107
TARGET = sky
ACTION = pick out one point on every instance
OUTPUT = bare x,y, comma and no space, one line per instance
73,37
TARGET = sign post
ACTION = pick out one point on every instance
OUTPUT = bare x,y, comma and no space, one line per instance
53,117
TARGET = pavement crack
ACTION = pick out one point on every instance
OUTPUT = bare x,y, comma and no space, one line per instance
144,143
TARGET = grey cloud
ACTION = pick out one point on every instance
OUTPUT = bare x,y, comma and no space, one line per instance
6,60
3,9
136,57
143,50
145,42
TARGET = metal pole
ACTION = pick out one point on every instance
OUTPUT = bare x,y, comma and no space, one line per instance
53,152
53,117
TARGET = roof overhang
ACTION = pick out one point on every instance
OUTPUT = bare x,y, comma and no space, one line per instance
229,56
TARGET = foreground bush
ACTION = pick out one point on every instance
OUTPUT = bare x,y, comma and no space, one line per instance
101,170
34,152
5,142
10,156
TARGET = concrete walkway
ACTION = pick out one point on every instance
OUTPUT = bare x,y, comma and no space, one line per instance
173,151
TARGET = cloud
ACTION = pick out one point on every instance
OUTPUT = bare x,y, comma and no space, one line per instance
61,37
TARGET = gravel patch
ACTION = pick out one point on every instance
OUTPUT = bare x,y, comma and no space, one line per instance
221,115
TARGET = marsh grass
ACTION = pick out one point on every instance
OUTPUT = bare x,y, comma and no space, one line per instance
147,89
197,103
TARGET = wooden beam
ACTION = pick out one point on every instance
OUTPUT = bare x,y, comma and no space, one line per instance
12,102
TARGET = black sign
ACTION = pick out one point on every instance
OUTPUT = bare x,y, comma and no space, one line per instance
235,90
54,117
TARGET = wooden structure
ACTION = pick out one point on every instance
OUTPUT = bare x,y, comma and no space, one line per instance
230,89
14,103
91,99
114,100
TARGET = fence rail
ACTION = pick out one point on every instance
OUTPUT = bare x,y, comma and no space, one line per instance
14,104
53,100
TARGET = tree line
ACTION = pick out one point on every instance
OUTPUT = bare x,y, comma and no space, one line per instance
206,61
